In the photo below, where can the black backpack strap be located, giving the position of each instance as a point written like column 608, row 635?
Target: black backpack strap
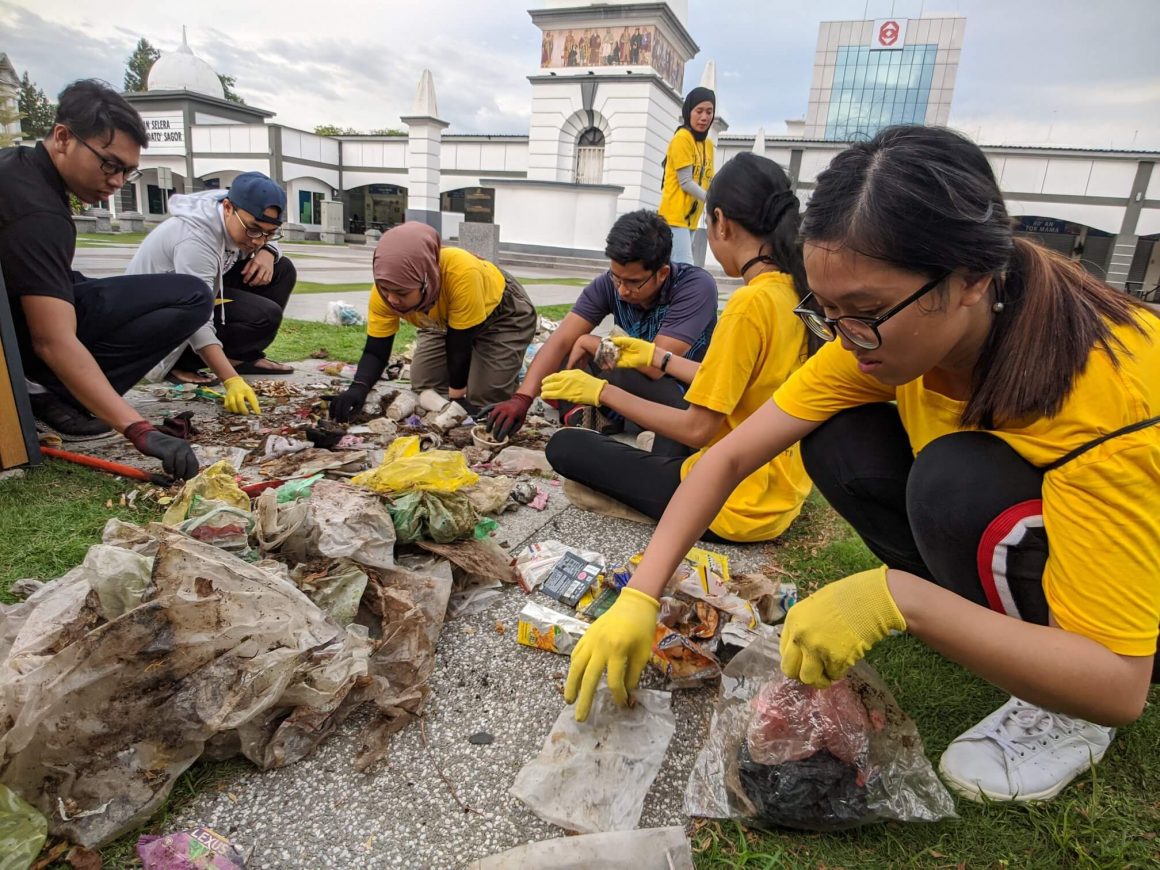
column 1084, row 448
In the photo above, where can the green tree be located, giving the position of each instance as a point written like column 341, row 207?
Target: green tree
column 389, row 131
column 36, row 112
column 333, row 130
column 8, row 115
column 228, row 83
column 138, row 65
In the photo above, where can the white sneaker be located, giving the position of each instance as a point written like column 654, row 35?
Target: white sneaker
column 644, row 441
column 1022, row 753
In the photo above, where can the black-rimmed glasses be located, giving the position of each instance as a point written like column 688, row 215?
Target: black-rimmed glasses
column 257, row 233
column 629, row 284
column 861, row 331
column 109, row 166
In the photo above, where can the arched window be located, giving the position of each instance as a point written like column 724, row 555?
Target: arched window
column 590, row 157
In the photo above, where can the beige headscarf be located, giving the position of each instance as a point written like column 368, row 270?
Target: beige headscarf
column 406, row 258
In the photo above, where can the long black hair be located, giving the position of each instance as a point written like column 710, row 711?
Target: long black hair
column 925, row 199
column 755, row 192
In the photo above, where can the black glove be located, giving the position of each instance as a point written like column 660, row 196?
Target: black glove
column 505, row 418
column 348, row 403
column 176, row 455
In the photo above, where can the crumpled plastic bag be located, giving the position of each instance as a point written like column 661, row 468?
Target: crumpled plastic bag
column 593, row 776
column 223, row 526
column 442, row 517
column 522, row 460
column 337, row 521
column 340, row 313
column 404, row 468
column 490, row 495
column 336, row 586
column 217, row 483
column 644, row 849
column 199, row 849
column 783, row 754
column 23, row 831
column 101, row 723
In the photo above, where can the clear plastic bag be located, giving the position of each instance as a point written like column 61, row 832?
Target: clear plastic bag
column 783, row 754
column 593, row 776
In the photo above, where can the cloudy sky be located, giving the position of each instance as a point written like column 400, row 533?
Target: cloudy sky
column 1072, row 72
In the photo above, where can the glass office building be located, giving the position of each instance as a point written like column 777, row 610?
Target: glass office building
column 871, row 74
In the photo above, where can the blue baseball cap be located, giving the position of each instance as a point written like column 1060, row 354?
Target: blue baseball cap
column 255, row 192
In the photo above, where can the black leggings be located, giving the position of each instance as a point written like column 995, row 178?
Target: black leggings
column 643, row 481
column 965, row 513
column 252, row 316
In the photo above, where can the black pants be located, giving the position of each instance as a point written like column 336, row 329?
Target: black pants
column 251, row 317
column 664, row 391
column 643, row 481
column 129, row 323
column 965, row 513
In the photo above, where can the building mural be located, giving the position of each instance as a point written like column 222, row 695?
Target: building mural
column 634, row 45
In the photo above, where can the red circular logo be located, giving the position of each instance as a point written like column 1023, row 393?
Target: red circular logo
column 888, row 33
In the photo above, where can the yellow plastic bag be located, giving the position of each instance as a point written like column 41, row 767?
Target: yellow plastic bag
column 404, row 469
column 216, row 483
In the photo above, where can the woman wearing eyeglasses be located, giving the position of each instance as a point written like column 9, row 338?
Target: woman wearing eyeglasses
column 475, row 321
column 757, row 344
column 225, row 238
column 987, row 417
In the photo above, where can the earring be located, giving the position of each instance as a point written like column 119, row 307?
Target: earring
column 997, row 307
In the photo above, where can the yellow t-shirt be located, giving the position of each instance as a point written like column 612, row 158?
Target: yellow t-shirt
column 1101, row 511
column 680, row 209
column 470, row 289
column 757, row 344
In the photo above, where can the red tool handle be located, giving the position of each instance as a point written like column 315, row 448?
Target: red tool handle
column 107, row 466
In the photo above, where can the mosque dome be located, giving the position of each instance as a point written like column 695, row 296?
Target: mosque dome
column 182, row 70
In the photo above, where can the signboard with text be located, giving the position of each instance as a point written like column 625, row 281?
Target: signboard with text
column 166, row 132
column 888, row 34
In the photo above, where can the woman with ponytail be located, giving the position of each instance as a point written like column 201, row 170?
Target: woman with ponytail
column 688, row 169
column 758, row 342
column 986, row 415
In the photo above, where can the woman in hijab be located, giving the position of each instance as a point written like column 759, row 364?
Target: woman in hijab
column 688, row 169
column 475, row 321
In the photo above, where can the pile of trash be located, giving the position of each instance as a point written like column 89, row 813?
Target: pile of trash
column 250, row 622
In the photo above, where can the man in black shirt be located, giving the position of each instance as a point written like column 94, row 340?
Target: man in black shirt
column 84, row 342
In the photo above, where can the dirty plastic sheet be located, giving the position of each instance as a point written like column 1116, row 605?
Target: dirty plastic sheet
column 490, row 495
column 593, row 776
column 521, row 460
column 482, row 557
column 217, row 646
column 780, row 753
column 337, row 521
column 211, row 454
column 221, row 525
column 409, row 607
column 335, row 585
column 645, row 849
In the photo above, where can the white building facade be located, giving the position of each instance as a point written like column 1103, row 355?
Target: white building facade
column 605, row 100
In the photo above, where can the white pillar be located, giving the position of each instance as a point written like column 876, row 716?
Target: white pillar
column 424, row 145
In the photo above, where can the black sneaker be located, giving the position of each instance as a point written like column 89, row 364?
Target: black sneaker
column 53, row 414
column 589, row 417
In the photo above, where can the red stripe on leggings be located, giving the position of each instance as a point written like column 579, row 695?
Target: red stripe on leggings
column 998, row 529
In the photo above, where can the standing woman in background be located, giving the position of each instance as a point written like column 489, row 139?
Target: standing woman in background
column 688, row 169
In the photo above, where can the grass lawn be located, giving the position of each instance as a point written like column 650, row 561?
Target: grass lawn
column 1110, row 818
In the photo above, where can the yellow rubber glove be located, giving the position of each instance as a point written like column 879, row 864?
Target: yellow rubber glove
column 635, row 353
column 239, row 394
column 573, row 385
column 621, row 641
column 826, row 633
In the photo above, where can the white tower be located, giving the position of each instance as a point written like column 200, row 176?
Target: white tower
column 608, row 94
column 424, row 148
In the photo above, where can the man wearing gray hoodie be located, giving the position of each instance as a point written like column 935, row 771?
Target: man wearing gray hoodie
column 225, row 238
